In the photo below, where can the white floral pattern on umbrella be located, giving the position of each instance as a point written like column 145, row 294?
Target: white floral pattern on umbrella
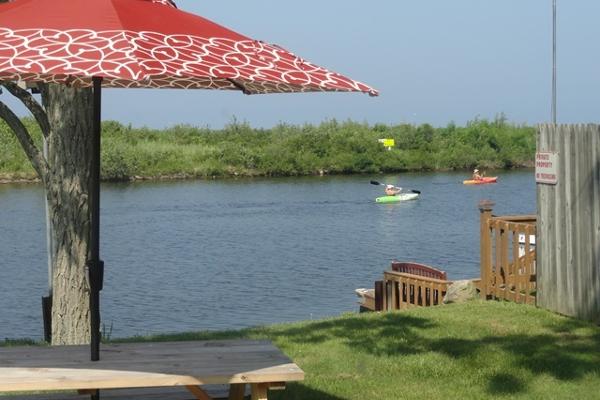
column 165, row 2
column 151, row 59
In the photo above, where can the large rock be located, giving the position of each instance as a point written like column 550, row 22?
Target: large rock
column 460, row 292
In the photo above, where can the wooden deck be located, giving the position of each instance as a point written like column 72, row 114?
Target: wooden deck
column 136, row 365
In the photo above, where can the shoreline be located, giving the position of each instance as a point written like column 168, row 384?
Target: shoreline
column 6, row 179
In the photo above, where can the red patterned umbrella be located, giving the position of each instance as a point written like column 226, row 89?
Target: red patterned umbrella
column 147, row 43
column 142, row 44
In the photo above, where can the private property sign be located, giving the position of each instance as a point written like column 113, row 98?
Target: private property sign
column 546, row 167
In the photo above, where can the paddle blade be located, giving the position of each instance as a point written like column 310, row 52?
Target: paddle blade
column 416, row 191
column 375, row 183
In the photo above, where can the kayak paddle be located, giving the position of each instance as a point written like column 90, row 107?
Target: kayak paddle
column 383, row 184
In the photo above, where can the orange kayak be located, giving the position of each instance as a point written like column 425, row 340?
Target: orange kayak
column 482, row 181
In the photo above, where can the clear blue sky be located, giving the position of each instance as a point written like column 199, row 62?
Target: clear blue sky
column 433, row 61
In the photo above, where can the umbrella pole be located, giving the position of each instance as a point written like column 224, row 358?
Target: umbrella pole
column 94, row 264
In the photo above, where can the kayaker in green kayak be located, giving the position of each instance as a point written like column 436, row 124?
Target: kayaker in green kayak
column 394, row 194
column 391, row 190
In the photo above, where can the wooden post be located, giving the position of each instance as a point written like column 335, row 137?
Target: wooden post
column 47, row 317
column 259, row 391
column 379, row 295
column 485, row 245
column 387, row 293
column 237, row 391
column 394, row 297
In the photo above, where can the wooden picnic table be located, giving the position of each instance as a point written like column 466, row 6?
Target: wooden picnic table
column 153, row 364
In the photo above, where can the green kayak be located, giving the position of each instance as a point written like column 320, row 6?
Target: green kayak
column 397, row 198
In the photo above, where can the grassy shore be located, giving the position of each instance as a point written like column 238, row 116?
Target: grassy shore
column 285, row 150
column 479, row 350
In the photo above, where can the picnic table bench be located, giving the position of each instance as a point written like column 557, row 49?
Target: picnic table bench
column 163, row 366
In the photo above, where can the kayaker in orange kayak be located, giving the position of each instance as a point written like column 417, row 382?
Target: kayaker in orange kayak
column 476, row 175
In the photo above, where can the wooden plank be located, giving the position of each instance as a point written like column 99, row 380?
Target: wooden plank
column 236, row 391
column 485, row 246
column 401, row 289
column 595, row 218
column 497, row 269
column 57, row 396
column 431, row 297
column 276, row 385
column 259, row 391
column 558, row 202
column 582, row 235
column 541, row 198
column 588, row 233
column 154, row 393
column 505, row 264
column 517, row 218
column 392, row 274
column 566, row 208
column 523, row 273
column 412, row 298
column 144, row 364
column 198, row 393
column 418, row 269
column 546, row 273
column 387, row 287
column 394, row 299
column 528, row 257
column 516, row 259
column 130, row 353
column 378, row 303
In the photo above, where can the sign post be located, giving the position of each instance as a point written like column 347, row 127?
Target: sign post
column 389, row 143
column 546, row 167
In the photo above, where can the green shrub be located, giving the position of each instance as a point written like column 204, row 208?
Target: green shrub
column 332, row 146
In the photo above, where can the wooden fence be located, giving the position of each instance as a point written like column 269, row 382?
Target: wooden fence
column 508, row 256
column 569, row 222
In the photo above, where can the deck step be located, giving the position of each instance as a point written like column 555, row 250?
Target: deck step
column 160, row 393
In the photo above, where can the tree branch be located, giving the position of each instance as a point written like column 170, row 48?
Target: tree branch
column 30, row 102
column 35, row 156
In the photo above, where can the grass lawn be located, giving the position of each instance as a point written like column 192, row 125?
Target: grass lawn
column 479, row 350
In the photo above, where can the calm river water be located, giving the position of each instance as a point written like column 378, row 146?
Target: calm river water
column 205, row 255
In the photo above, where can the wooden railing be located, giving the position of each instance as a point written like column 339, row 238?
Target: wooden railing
column 507, row 256
column 410, row 285
column 414, row 268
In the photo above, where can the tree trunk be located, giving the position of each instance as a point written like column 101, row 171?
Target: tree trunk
column 69, row 112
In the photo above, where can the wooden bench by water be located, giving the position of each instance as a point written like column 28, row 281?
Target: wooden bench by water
column 406, row 284
column 410, row 284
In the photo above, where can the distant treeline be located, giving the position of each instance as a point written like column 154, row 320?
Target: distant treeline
column 329, row 148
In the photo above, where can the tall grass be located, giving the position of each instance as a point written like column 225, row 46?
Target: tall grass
column 331, row 147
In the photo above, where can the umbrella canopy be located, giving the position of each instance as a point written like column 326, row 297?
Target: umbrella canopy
column 147, row 43
column 142, row 44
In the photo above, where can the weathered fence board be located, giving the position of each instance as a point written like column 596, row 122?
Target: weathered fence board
column 568, row 256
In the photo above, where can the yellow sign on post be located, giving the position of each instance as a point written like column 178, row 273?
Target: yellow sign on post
column 389, row 143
